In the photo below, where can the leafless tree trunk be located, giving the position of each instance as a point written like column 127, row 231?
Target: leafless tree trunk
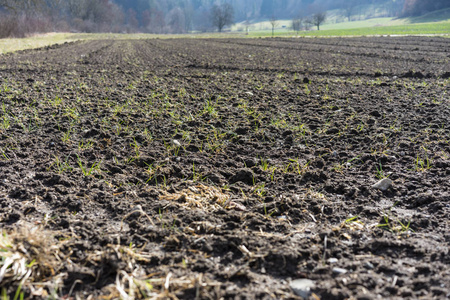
column 274, row 22
column 22, row 5
column 297, row 24
column 222, row 15
column 246, row 25
column 318, row 19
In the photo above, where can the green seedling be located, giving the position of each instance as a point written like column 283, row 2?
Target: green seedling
column 393, row 224
column 84, row 145
column 307, row 90
column 260, row 190
column 264, row 164
column 295, row 166
column 422, row 164
column 380, row 173
column 66, row 135
column 56, row 101
column 4, row 154
column 210, row 109
column 351, row 220
column 61, row 166
column 136, row 147
column 268, row 214
column 86, row 170
column 300, row 129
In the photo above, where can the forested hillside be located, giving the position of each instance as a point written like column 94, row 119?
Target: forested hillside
column 20, row 17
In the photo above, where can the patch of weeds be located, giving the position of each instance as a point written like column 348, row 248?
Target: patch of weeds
column 66, row 136
column 380, row 173
column 260, row 190
column 5, row 119
column 393, row 224
column 3, row 154
column 210, row 109
column 196, row 176
column 338, row 167
column 352, row 223
column 56, row 101
column 264, row 164
column 148, row 135
column 422, row 164
column 278, row 123
column 61, row 166
column 306, row 89
column 152, row 171
column 215, row 141
column 86, row 170
column 72, row 113
column 360, row 126
column 301, row 130
column 136, row 148
column 295, row 166
column 84, row 145
column 268, row 213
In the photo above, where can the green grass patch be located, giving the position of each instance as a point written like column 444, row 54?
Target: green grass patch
column 442, row 28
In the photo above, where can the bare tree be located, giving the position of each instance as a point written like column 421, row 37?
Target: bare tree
column 247, row 26
column 77, row 8
column 307, row 24
column 222, row 15
column 297, row 24
column 132, row 21
column 22, row 5
column 176, row 20
column 318, row 19
column 274, row 22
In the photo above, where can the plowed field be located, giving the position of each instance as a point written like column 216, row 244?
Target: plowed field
column 226, row 169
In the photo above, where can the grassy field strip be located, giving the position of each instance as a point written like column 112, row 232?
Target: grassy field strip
column 439, row 28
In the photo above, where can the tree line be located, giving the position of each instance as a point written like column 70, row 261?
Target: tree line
column 22, row 17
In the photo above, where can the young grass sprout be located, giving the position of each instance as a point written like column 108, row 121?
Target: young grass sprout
column 380, row 173
column 422, row 164
column 86, row 170
column 393, row 224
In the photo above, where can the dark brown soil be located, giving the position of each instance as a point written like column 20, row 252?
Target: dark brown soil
column 280, row 142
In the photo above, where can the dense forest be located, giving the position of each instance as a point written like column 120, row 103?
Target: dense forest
column 21, row 17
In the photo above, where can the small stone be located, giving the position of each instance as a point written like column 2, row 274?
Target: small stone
column 369, row 266
column 339, row 270
column 176, row 143
column 302, row 287
column 383, row 185
column 332, row 260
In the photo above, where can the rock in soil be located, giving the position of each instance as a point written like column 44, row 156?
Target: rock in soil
column 302, row 287
column 383, row 185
